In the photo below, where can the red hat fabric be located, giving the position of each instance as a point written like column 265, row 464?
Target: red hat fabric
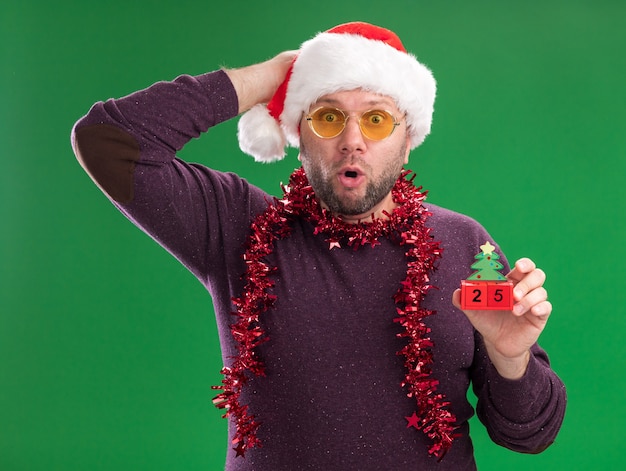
column 347, row 57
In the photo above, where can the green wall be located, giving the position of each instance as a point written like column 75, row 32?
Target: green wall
column 108, row 346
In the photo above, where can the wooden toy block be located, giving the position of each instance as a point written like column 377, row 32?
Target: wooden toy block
column 486, row 295
column 487, row 288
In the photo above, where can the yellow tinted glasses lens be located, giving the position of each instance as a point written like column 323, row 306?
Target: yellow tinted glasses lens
column 377, row 124
column 327, row 122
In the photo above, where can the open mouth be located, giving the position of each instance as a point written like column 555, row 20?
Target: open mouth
column 351, row 174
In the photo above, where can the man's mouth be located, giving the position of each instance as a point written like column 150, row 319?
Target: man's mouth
column 351, row 178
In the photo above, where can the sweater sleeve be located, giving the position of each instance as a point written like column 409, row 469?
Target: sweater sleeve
column 149, row 126
column 523, row 415
column 128, row 147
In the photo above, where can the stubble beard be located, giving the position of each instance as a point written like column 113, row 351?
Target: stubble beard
column 321, row 180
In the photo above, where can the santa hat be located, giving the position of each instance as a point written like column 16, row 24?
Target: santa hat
column 346, row 57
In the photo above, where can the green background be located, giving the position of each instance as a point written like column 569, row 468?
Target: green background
column 108, row 346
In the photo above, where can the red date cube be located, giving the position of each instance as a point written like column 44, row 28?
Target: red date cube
column 486, row 295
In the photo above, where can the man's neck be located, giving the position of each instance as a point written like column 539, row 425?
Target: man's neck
column 380, row 211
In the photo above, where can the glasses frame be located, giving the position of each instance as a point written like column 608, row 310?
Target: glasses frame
column 346, row 116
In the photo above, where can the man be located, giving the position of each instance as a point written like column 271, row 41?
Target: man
column 339, row 352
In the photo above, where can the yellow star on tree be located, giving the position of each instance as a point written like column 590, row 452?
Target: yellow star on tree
column 487, row 248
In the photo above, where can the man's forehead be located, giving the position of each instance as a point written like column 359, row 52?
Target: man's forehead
column 356, row 98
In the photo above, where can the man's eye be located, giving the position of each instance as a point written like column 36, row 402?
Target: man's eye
column 376, row 118
column 330, row 117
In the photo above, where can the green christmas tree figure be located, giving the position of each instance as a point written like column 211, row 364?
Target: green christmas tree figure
column 487, row 266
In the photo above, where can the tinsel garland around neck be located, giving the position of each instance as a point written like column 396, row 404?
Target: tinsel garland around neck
column 404, row 225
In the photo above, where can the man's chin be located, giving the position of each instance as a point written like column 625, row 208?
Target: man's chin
column 357, row 209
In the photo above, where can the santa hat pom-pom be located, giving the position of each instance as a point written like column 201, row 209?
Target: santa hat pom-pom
column 260, row 135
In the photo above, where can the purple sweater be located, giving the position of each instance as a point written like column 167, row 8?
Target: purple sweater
column 332, row 397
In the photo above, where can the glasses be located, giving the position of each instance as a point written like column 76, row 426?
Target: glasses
column 327, row 122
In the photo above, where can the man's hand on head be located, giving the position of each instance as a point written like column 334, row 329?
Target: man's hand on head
column 257, row 83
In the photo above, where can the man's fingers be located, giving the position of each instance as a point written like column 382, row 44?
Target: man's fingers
column 531, row 281
column 528, row 302
column 522, row 267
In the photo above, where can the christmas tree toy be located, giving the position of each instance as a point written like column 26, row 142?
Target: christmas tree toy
column 487, row 288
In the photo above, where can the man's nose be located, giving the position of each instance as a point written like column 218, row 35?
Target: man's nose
column 352, row 139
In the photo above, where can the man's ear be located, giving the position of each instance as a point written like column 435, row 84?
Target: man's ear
column 299, row 134
column 408, row 149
